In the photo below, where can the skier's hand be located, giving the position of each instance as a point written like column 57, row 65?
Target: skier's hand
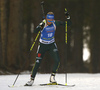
column 42, row 25
column 67, row 15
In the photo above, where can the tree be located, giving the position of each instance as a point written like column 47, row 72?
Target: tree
column 0, row 39
column 4, row 26
column 95, row 35
column 15, row 34
column 78, row 36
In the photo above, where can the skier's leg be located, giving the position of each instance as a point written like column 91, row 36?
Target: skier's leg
column 55, row 55
column 40, row 54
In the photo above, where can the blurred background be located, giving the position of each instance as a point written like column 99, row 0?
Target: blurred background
column 19, row 18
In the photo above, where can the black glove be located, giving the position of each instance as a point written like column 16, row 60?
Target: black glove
column 67, row 15
column 42, row 25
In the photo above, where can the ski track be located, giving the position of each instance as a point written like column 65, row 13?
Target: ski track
column 82, row 82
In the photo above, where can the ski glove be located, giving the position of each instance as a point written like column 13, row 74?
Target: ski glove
column 42, row 25
column 39, row 27
column 67, row 15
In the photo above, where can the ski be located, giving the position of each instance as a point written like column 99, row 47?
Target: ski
column 46, row 84
column 67, row 85
column 56, row 84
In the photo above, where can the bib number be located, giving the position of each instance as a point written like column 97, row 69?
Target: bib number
column 50, row 34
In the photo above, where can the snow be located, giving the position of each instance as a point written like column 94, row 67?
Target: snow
column 82, row 82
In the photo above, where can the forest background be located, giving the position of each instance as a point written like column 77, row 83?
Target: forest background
column 19, row 18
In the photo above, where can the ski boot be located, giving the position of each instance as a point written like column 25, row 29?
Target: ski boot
column 52, row 79
column 29, row 83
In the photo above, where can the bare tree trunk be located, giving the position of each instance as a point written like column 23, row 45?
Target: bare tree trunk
column 0, row 40
column 0, row 49
column 78, row 38
column 95, row 35
column 28, row 4
column 4, row 26
column 14, row 46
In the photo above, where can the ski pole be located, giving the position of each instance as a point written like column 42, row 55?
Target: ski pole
column 42, row 4
column 34, row 41
column 66, row 29
column 25, row 60
column 66, row 43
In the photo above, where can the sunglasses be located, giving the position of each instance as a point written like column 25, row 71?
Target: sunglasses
column 50, row 21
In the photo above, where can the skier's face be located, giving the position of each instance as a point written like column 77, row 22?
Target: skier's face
column 50, row 18
column 50, row 21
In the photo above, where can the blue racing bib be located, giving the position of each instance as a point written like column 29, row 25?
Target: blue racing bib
column 48, row 32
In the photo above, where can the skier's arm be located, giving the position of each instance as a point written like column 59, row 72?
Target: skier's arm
column 58, row 23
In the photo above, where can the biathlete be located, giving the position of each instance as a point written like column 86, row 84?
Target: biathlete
column 47, row 43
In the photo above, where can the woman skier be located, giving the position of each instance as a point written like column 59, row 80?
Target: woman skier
column 47, row 43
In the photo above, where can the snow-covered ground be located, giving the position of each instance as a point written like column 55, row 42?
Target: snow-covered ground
column 81, row 81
